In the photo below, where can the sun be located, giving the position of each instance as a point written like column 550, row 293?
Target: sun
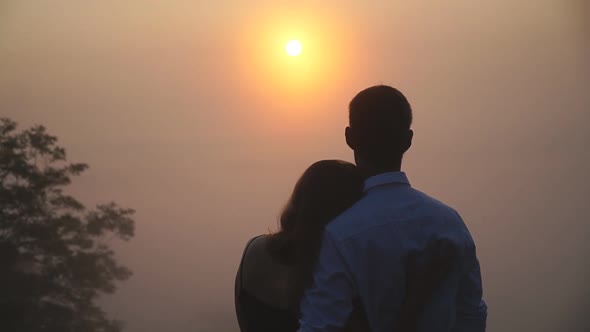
column 293, row 47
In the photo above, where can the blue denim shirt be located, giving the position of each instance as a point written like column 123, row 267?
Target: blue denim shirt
column 362, row 256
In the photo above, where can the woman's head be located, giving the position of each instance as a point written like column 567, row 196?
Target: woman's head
column 325, row 190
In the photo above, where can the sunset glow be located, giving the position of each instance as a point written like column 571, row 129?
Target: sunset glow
column 288, row 57
column 293, row 47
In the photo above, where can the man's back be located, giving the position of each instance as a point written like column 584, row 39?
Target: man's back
column 364, row 253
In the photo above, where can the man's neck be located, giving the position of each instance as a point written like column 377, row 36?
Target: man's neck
column 370, row 170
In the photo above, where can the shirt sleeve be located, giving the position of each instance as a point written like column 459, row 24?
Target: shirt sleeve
column 471, row 310
column 326, row 306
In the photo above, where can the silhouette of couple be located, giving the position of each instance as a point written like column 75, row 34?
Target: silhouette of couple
column 358, row 248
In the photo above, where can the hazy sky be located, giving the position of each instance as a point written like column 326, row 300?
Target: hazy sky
column 190, row 113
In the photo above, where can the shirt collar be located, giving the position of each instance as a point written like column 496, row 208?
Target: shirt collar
column 385, row 178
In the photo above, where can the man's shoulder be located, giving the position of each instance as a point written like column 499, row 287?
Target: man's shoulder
column 382, row 210
column 435, row 206
column 352, row 216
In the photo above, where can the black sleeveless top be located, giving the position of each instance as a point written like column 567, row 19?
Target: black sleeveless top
column 263, row 297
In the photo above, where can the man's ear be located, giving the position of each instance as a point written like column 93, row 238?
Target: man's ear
column 350, row 139
column 407, row 143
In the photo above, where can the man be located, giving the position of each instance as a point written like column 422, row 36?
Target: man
column 365, row 250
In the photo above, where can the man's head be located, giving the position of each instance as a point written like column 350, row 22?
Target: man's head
column 379, row 128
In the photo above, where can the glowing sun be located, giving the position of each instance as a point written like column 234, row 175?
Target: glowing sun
column 293, row 47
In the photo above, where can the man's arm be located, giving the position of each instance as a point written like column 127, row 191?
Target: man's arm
column 471, row 310
column 327, row 305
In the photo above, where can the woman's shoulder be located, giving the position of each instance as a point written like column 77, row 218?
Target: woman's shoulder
column 255, row 253
column 259, row 305
column 256, row 245
column 264, row 276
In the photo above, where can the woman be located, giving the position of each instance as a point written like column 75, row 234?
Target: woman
column 276, row 269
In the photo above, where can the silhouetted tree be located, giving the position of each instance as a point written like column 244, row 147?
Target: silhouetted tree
column 54, row 254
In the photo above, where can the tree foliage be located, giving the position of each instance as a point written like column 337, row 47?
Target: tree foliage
column 55, row 258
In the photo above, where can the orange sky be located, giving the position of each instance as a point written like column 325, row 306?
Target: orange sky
column 191, row 113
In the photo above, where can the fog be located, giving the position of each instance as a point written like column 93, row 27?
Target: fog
column 180, row 116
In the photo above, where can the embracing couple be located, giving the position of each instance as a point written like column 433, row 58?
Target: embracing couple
column 359, row 249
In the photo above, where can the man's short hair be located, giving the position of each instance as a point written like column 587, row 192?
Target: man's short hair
column 380, row 107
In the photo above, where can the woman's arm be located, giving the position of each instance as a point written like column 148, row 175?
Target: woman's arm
column 238, row 289
column 237, row 298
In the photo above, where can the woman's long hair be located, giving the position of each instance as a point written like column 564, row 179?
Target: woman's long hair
column 324, row 191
